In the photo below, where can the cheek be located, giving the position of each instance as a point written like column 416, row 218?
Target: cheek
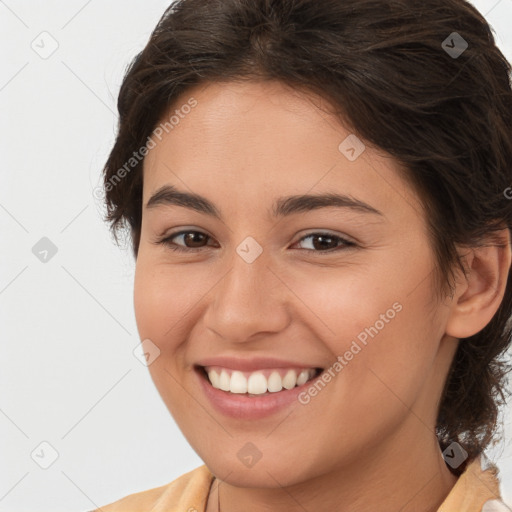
column 162, row 297
column 384, row 334
column 158, row 309
column 160, row 306
column 387, row 358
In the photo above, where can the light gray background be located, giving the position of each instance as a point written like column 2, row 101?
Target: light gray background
column 68, row 375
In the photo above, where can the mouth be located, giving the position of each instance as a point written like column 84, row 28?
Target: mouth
column 255, row 395
column 258, row 383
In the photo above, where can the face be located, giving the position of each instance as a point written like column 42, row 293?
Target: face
column 343, row 283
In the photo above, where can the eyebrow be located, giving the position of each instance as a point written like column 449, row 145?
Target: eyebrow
column 168, row 195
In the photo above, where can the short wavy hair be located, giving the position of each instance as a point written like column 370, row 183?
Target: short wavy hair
column 398, row 73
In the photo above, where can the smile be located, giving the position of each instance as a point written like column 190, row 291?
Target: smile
column 260, row 382
column 258, row 400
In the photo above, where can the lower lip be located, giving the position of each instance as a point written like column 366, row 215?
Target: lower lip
column 241, row 406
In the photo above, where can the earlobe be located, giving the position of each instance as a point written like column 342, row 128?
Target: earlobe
column 478, row 296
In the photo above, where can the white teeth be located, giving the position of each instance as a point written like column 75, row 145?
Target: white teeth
column 290, row 379
column 224, row 380
column 214, row 379
column 238, row 383
column 275, row 383
column 303, row 377
column 257, row 383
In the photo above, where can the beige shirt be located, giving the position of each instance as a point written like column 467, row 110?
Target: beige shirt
column 476, row 490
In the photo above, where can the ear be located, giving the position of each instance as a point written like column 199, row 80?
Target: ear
column 478, row 296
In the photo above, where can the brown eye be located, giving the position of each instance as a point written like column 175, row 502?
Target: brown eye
column 194, row 238
column 323, row 242
column 191, row 240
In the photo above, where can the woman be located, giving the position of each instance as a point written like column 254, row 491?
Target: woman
column 316, row 192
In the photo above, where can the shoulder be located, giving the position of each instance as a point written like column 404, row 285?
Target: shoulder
column 478, row 485
column 187, row 492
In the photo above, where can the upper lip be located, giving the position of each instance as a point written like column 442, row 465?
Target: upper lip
column 252, row 364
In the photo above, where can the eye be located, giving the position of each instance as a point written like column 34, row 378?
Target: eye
column 195, row 240
column 326, row 242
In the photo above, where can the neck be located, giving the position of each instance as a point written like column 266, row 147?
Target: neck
column 415, row 479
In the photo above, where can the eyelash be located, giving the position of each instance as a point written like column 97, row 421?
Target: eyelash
column 174, row 247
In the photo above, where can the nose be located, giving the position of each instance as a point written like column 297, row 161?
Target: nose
column 250, row 300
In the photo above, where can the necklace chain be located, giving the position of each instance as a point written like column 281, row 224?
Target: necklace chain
column 218, row 498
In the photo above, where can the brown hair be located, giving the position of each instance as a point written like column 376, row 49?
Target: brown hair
column 396, row 75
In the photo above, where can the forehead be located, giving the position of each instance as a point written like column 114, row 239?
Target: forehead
column 257, row 139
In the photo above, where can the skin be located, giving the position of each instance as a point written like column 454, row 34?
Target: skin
column 366, row 442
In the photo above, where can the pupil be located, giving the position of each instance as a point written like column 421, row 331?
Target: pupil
column 192, row 237
column 322, row 238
